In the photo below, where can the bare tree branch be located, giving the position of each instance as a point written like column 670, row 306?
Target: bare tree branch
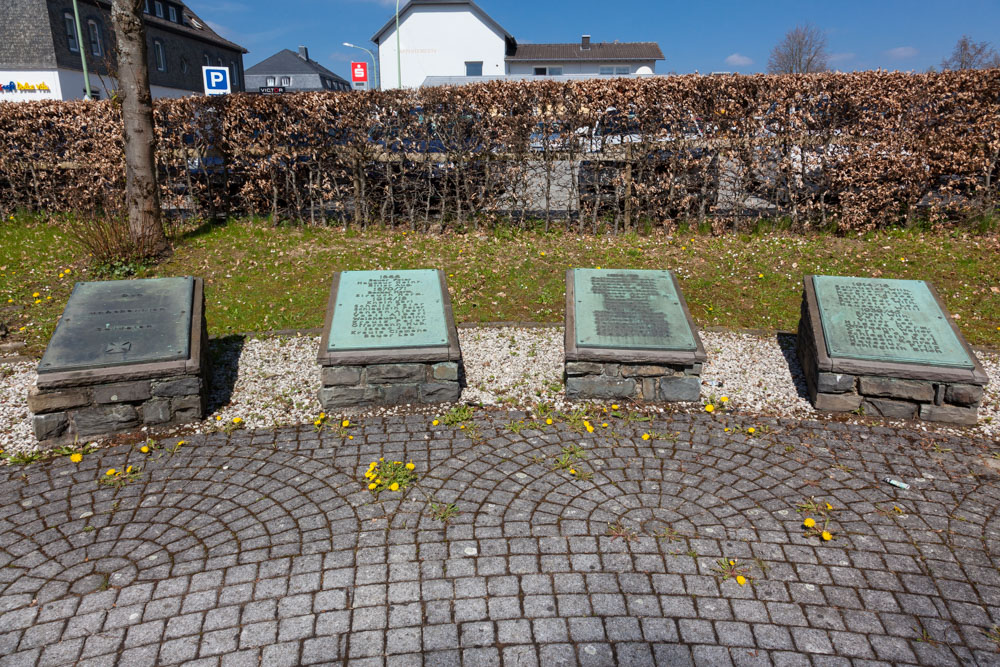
column 971, row 55
column 802, row 51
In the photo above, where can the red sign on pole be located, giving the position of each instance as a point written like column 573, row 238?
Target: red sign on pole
column 359, row 72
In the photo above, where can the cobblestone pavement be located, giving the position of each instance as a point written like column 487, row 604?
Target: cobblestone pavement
column 265, row 548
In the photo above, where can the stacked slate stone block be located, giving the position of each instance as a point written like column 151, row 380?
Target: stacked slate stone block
column 389, row 339
column 97, row 391
column 638, row 381
column 629, row 335
column 390, row 384
column 887, row 388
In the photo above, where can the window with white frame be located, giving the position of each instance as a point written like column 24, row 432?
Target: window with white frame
column 270, row 80
column 474, row 68
column 555, row 71
column 71, row 33
column 286, row 81
column 173, row 13
column 159, row 55
column 605, row 71
column 94, row 31
column 236, row 74
column 622, row 70
column 145, row 6
column 158, row 6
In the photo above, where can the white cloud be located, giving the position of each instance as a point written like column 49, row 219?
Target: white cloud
column 841, row 57
column 738, row 60
column 901, row 52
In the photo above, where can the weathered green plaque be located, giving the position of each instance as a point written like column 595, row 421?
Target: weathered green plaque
column 886, row 320
column 120, row 323
column 630, row 310
column 388, row 309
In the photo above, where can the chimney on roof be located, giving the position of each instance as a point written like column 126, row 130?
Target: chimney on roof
column 585, row 43
column 303, row 53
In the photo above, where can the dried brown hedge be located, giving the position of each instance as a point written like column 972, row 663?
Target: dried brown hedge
column 851, row 151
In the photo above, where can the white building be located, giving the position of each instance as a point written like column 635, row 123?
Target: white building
column 455, row 40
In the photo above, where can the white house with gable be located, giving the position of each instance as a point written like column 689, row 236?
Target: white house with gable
column 455, row 41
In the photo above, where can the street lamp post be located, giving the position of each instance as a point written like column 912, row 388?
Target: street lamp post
column 374, row 64
column 399, row 59
column 83, row 51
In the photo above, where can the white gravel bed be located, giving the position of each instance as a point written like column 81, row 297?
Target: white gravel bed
column 273, row 381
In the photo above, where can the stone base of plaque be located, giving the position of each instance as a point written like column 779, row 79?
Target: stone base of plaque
column 638, row 382
column 88, row 404
column 389, row 384
column 413, row 355
column 889, row 390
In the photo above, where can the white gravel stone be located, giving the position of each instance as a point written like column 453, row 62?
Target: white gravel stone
column 274, row 381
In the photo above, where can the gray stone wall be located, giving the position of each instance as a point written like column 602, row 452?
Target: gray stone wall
column 883, row 395
column 90, row 411
column 390, row 384
column 25, row 35
column 640, row 382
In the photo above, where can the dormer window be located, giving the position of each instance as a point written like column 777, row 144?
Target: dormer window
column 173, row 13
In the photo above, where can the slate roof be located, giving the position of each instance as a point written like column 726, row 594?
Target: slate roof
column 289, row 62
column 187, row 26
column 605, row 51
column 476, row 8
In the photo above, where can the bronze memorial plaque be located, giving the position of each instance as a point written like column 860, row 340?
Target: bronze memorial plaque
column 388, row 310
column 630, row 309
column 122, row 323
column 886, row 320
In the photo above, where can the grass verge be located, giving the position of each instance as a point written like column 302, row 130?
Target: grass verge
column 260, row 277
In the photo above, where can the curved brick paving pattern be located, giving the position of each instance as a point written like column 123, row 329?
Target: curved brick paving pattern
column 264, row 548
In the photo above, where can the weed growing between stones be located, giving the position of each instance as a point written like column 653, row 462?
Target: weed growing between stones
column 385, row 475
column 458, row 414
column 120, row 478
column 618, row 530
column 443, row 512
column 568, row 457
column 75, row 453
column 993, row 634
column 732, row 569
column 812, row 528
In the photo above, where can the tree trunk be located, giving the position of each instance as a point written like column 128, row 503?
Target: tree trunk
column 142, row 194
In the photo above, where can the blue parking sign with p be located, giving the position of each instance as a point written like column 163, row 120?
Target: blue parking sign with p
column 216, row 80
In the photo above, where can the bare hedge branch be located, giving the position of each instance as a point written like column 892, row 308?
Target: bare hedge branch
column 851, row 152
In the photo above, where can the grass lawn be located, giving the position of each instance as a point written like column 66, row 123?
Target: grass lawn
column 263, row 278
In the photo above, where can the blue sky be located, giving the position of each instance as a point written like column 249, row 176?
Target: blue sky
column 719, row 35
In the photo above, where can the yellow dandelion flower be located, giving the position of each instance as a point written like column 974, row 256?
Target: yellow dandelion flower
column 741, row 580
column 48, row 298
column 614, row 406
column 760, row 275
column 435, row 423
column 345, row 423
column 410, row 466
column 684, row 247
column 751, row 430
column 549, row 421
column 144, row 449
column 181, row 442
column 381, row 459
column 572, row 471
column 809, row 522
column 371, row 487
column 462, row 426
column 67, row 272
column 35, row 295
column 394, row 486
column 110, row 472
column 317, row 422
column 218, row 418
column 829, row 506
column 37, row 301
column 350, row 437
column 322, row 415
column 543, row 253
column 724, row 399
column 128, row 470
column 645, row 436
column 827, row 536
column 76, row 457
column 237, row 420
column 709, row 408
column 604, row 425
column 732, row 562
column 598, row 268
